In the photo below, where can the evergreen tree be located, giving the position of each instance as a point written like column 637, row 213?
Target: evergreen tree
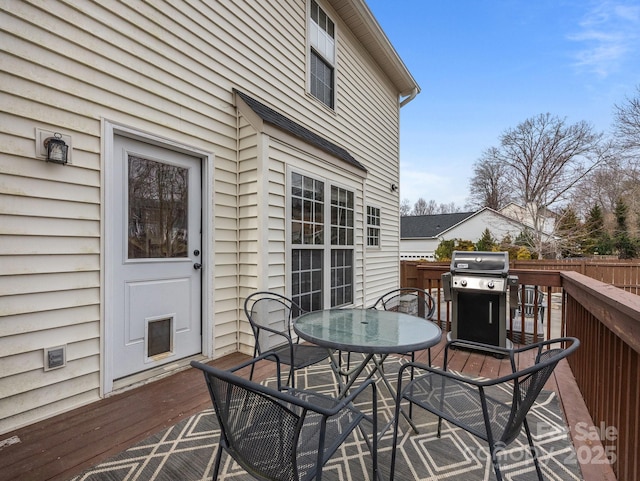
column 594, row 232
column 486, row 242
column 623, row 242
column 571, row 233
column 444, row 251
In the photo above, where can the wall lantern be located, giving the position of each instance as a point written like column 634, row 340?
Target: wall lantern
column 394, row 188
column 56, row 149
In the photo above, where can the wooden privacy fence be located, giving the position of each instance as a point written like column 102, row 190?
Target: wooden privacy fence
column 622, row 274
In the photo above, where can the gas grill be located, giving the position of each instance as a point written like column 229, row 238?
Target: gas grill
column 477, row 286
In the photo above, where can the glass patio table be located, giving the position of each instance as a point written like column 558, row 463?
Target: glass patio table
column 374, row 333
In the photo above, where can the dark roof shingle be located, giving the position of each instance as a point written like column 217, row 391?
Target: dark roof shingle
column 429, row 225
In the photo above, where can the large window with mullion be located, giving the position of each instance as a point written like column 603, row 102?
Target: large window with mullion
column 322, row 234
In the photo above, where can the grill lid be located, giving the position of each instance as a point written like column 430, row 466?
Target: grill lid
column 480, row 263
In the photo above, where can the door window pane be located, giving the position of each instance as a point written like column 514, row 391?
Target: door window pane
column 158, row 209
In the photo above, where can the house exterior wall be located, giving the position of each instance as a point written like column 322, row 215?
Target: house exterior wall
column 168, row 69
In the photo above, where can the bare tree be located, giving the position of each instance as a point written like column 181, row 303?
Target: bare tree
column 449, row 208
column 627, row 122
column 405, row 207
column 422, row 207
column 546, row 158
column 490, row 185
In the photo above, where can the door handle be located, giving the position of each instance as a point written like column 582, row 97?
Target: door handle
column 197, row 266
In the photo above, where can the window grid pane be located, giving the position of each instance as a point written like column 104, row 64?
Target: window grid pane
column 342, row 216
column 307, row 207
column 341, row 277
column 307, row 279
column 321, row 80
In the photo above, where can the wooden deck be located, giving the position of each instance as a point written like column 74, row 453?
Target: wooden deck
column 65, row 445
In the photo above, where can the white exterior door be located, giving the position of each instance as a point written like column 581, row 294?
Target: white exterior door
column 156, row 256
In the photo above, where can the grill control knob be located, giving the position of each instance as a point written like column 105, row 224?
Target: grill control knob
column 463, row 283
column 491, row 285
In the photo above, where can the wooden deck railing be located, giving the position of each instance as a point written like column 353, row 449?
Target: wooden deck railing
column 607, row 365
column 606, row 319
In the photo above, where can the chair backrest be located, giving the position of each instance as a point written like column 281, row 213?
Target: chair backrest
column 417, row 302
column 270, row 310
column 533, row 301
column 258, row 428
column 529, row 382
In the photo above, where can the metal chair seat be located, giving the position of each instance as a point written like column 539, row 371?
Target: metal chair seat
column 282, row 434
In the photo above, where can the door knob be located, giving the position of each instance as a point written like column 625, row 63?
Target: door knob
column 197, row 266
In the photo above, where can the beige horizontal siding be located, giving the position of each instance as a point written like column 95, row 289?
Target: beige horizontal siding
column 166, row 68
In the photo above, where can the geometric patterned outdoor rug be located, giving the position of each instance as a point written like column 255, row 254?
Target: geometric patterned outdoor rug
column 186, row 451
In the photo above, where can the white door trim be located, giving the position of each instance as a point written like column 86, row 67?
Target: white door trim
column 110, row 129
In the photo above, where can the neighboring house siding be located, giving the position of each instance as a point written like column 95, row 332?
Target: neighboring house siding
column 473, row 228
column 167, row 69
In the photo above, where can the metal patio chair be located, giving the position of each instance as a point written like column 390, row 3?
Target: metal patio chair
column 271, row 316
column 533, row 304
column 283, row 434
column 409, row 300
column 472, row 404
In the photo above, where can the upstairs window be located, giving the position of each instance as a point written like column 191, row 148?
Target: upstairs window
column 322, row 55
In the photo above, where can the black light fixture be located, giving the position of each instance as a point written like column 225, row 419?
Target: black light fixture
column 394, row 187
column 56, row 149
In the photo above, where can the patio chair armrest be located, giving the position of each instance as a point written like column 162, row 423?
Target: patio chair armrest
column 355, row 393
column 438, row 372
column 238, row 367
column 464, row 343
column 277, row 332
column 341, row 403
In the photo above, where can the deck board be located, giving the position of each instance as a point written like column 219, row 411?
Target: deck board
column 63, row 446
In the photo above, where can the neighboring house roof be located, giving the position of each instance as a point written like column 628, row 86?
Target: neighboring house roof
column 358, row 17
column 424, row 226
column 270, row 116
column 433, row 226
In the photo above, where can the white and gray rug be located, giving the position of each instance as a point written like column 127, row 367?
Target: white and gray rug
column 186, row 451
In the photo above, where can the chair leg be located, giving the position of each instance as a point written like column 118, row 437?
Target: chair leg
column 255, row 354
column 216, row 468
column 413, row 358
column 291, row 380
column 534, row 454
column 394, row 446
column 494, row 460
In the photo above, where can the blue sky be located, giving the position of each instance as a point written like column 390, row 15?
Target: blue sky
column 484, row 66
